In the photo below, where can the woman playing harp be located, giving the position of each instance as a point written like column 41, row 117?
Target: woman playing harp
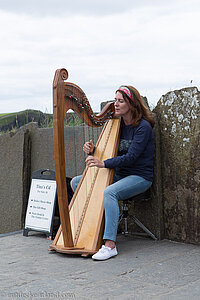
column 133, row 164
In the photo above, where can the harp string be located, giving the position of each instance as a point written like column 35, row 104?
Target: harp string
column 81, row 153
column 88, row 133
column 77, row 122
column 93, row 175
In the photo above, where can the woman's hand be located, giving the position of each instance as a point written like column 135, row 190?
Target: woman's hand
column 88, row 147
column 94, row 162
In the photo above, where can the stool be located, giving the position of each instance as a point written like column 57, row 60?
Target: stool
column 124, row 215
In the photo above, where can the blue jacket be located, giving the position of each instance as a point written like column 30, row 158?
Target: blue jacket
column 135, row 152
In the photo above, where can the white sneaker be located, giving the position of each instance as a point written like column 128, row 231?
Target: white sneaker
column 105, row 253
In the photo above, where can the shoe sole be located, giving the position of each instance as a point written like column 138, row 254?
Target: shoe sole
column 104, row 258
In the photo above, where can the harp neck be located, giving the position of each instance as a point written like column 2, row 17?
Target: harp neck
column 67, row 96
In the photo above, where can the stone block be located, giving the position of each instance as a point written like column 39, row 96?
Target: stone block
column 14, row 178
column 179, row 123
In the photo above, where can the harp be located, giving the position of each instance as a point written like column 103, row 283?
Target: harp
column 82, row 222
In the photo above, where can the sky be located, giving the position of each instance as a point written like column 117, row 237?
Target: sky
column 153, row 45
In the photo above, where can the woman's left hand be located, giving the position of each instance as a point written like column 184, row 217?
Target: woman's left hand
column 94, row 162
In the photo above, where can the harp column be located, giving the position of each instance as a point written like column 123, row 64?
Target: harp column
column 59, row 150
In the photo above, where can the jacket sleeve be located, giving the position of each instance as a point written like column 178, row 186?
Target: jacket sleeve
column 139, row 142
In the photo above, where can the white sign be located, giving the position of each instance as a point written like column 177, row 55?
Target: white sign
column 40, row 205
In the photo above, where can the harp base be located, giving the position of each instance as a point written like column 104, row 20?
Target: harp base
column 72, row 250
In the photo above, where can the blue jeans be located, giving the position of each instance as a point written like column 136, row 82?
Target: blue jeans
column 75, row 181
column 122, row 188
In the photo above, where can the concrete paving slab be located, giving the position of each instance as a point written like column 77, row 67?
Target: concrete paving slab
column 143, row 269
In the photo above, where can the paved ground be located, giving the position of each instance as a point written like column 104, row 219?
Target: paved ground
column 144, row 269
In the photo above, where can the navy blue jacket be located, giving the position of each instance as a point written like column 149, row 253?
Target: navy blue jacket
column 135, row 152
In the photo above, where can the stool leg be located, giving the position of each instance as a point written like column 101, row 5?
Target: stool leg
column 125, row 226
column 120, row 218
column 143, row 227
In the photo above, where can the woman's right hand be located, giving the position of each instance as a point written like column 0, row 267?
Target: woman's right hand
column 88, row 147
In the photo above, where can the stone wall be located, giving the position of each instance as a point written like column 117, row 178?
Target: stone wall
column 179, row 124
column 28, row 150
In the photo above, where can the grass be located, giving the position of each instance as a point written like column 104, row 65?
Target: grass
column 7, row 114
column 12, row 121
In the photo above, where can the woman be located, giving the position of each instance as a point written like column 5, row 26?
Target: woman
column 133, row 164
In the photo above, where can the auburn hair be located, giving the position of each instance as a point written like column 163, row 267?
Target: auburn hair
column 138, row 107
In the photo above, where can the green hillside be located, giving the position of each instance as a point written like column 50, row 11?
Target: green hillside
column 13, row 121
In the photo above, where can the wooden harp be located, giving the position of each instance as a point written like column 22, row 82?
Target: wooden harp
column 82, row 222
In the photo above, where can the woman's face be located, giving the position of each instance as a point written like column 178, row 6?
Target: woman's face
column 122, row 107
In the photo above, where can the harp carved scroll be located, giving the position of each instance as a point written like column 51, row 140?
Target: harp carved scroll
column 82, row 221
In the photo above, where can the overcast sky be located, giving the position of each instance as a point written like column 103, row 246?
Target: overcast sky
column 153, row 45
